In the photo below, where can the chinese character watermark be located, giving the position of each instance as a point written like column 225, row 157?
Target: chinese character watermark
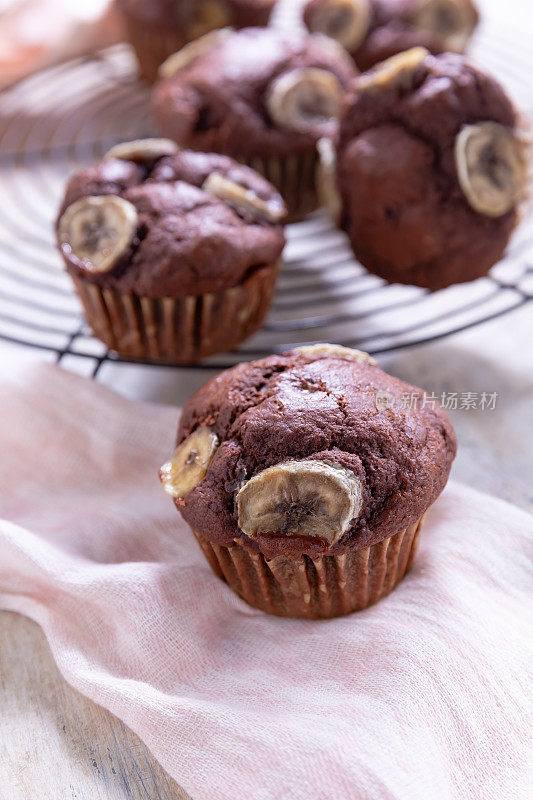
column 451, row 401
column 384, row 400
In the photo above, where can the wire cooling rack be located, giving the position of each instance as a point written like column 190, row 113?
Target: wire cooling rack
column 67, row 117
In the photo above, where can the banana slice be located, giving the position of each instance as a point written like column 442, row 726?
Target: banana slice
column 326, row 182
column 304, row 98
column 453, row 21
column 397, row 70
column 491, row 166
column 192, row 51
column 141, row 150
column 98, row 230
column 300, row 498
column 346, row 21
column 239, row 196
column 335, row 351
column 189, row 463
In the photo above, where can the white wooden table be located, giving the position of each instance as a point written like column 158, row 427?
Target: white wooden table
column 56, row 744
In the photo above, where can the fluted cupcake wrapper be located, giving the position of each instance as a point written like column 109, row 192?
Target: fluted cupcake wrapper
column 152, row 45
column 315, row 588
column 183, row 329
column 294, row 176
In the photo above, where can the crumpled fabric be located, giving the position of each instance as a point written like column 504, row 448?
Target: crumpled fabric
column 35, row 34
column 425, row 696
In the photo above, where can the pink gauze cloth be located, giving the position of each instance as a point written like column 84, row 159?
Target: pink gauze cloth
column 35, row 34
column 422, row 697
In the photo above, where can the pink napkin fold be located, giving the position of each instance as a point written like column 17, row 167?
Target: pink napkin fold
column 422, row 697
column 35, row 34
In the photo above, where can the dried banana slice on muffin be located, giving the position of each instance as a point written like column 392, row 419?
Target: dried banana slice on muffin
column 243, row 197
column 300, row 99
column 189, row 463
column 143, row 150
column 300, row 498
column 334, row 351
column 451, row 21
column 397, row 71
column 491, row 166
column 346, row 21
column 98, row 231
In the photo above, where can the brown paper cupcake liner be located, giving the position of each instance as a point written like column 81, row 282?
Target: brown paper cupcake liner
column 294, row 176
column 315, row 588
column 183, row 329
column 152, row 45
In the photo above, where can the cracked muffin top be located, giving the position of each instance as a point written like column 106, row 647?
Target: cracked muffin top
column 431, row 168
column 255, row 91
column 160, row 222
column 198, row 17
column 373, row 30
column 312, row 451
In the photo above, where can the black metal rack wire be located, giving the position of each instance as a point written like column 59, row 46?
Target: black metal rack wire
column 69, row 116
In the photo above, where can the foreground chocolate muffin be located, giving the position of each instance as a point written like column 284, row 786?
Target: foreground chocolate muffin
column 174, row 254
column 374, row 30
column 431, row 169
column 158, row 28
column 262, row 96
column 305, row 478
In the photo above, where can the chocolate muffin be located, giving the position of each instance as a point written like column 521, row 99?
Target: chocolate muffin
column 262, row 96
column 374, row 30
column 306, row 476
column 174, row 254
column 431, row 169
column 158, row 28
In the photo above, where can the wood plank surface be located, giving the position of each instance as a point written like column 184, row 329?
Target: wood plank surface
column 56, row 744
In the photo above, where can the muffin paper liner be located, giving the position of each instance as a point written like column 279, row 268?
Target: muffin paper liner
column 315, row 588
column 183, row 329
column 294, row 176
column 152, row 45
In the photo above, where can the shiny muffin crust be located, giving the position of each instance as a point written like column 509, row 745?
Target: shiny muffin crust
column 392, row 26
column 188, row 242
column 184, row 15
column 322, row 408
column 218, row 102
column 404, row 210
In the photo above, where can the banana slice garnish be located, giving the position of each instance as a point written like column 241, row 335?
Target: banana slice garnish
column 452, row 21
column 141, row 150
column 346, row 21
column 300, row 498
column 188, row 466
column 335, row 351
column 304, row 98
column 241, row 197
column 326, row 182
column 192, row 51
column 397, row 70
column 98, row 231
column 492, row 167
